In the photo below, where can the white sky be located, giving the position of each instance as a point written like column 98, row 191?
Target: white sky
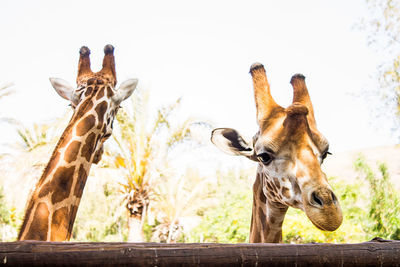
column 200, row 50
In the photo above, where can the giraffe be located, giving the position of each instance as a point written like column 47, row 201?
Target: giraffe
column 289, row 150
column 53, row 204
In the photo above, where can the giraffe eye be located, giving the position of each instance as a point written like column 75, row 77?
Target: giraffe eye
column 265, row 158
column 325, row 154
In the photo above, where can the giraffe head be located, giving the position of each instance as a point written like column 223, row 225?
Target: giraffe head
column 95, row 94
column 289, row 150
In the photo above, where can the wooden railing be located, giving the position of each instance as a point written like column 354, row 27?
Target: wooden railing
column 377, row 252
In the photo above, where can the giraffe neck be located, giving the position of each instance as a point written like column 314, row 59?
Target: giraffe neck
column 267, row 216
column 51, row 211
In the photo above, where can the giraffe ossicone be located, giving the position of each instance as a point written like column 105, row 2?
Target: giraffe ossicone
column 53, row 204
column 289, row 150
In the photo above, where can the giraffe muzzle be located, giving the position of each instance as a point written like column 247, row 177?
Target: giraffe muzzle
column 323, row 209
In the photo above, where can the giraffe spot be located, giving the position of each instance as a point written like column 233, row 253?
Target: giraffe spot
column 40, row 224
column 274, row 187
column 285, row 192
column 28, row 212
column 263, row 219
column 85, row 125
column 277, row 183
column 101, row 110
column 88, row 91
column 64, row 139
column 89, row 105
column 261, row 197
column 257, row 182
column 81, row 181
column 88, row 147
column 45, row 190
column 100, row 94
column 109, row 92
column 91, row 81
column 59, row 224
column 50, row 167
column 269, row 186
column 297, row 190
column 72, row 151
column 272, row 220
column 61, row 183
column 73, row 211
column 100, row 81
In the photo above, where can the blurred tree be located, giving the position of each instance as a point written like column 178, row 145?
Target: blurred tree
column 384, row 202
column 228, row 219
column 382, row 27
column 39, row 134
column 179, row 197
column 8, row 229
column 27, row 159
column 143, row 145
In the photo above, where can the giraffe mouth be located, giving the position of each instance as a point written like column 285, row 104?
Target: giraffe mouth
column 325, row 219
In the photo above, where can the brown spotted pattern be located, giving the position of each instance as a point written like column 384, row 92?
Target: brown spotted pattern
column 289, row 149
column 267, row 216
column 57, row 195
column 71, row 153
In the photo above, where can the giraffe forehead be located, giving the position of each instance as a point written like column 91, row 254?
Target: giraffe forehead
column 288, row 145
column 96, row 78
column 288, row 132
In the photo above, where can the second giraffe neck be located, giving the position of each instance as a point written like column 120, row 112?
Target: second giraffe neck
column 267, row 217
column 54, row 203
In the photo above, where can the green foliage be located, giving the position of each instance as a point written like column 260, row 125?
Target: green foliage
column 177, row 197
column 143, row 148
column 38, row 134
column 32, row 138
column 8, row 220
column 100, row 216
column 384, row 202
column 297, row 228
column 229, row 220
column 4, row 212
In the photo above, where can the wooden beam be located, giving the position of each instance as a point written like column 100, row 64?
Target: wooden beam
column 34, row 253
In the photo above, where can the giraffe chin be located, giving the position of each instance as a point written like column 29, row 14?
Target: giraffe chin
column 326, row 219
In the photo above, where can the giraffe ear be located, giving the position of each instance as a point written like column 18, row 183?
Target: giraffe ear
column 63, row 88
column 125, row 90
column 231, row 142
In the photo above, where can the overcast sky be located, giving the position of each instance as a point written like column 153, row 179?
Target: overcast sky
column 198, row 50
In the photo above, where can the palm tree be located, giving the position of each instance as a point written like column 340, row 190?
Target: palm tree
column 179, row 197
column 143, row 145
column 5, row 89
column 28, row 158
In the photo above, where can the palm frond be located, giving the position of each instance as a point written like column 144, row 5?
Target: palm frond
column 5, row 90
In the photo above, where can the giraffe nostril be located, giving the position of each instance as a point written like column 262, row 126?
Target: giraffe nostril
column 316, row 200
column 334, row 199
